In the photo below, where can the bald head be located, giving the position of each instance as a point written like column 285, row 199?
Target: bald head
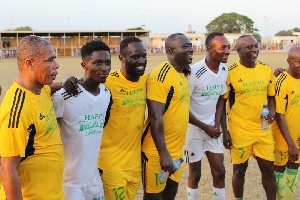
column 241, row 40
column 171, row 42
column 30, row 47
column 294, row 52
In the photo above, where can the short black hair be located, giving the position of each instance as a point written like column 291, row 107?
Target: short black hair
column 169, row 41
column 211, row 36
column 238, row 40
column 94, row 45
column 124, row 43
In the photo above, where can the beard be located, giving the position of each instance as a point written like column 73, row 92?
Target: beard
column 132, row 70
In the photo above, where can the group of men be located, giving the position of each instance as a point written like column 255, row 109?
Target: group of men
column 95, row 125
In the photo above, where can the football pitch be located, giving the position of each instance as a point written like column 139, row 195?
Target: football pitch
column 253, row 187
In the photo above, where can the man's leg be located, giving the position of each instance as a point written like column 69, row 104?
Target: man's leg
column 193, row 180
column 268, row 178
column 238, row 179
column 216, row 161
column 291, row 178
column 152, row 196
column 170, row 191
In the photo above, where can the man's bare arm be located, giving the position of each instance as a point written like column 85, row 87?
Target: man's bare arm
column 155, row 112
column 10, row 177
column 292, row 149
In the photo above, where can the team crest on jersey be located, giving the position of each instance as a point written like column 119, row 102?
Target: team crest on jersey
column 122, row 90
column 41, row 116
column 181, row 83
column 293, row 92
column 240, row 80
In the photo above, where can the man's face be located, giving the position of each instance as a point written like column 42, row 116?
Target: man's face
column 183, row 50
column 98, row 66
column 219, row 49
column 45, row 66
column 135, row 59
column 294, row 63
column 248, row 50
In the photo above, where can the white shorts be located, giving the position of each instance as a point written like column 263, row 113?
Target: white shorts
column 195, row 148
column 92, row 192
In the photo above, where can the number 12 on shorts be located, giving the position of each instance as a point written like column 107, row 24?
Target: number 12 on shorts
column 119, row 193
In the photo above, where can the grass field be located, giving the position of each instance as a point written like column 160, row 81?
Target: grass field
column 253, row 188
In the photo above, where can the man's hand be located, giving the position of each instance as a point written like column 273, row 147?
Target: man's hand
column 227, row 140
column 212, row 131
column 270, row 118
column 279, row 71
column 69, row 83
column 293, row 153
column 166, row 163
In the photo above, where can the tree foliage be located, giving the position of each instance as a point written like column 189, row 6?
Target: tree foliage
column 22, row 28
column 137, row 28
column 231, row 23
column 288, row 32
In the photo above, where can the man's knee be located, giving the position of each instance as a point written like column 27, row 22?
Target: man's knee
column 170, row 190
column 240, row 169
column 152, row 196
column 218, row 174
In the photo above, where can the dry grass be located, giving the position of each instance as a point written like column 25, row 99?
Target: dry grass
column 253, row 187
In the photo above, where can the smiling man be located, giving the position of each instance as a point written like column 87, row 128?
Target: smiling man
column 168, row 100
column 120, row 154
column 250, row 85
column 207, row 86
column 32, row 158
column 81, row 120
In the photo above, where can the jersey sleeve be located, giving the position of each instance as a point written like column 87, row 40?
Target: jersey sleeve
column 271, row 85
column 192, row 79
column 58, row 103
column 157, row 90
column 281, row 96
column 228, row 88
column 15, row 127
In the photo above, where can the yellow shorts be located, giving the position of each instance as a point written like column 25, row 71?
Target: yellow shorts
column 282, row 157
column 151, row 168
column 41, row 177
column 256, row 146
column 2, row 193
column 121, row 184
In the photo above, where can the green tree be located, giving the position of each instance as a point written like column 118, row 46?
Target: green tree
column 137, row 28
column 231, row 23
column 288, row 32
column 22, row 28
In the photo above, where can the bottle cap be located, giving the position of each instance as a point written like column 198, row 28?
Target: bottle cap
column 265, row 106
column 181, row 160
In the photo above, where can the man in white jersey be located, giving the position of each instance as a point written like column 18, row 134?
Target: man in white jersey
column 207, row 86
column 81, row 121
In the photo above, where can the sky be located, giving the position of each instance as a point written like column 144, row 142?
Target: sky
column 159, row 16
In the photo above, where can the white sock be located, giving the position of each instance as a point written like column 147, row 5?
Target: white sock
column 192, row 194
column 219, row 193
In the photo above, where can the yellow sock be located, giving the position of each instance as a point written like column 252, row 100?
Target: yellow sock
column 291, row 179
column 238, row 198
column 280, row 185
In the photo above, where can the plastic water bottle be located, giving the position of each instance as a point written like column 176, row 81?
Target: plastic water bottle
column 264, row 114
column 164, row 175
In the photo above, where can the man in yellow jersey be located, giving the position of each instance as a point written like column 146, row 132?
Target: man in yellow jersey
column 168, row 100
column 2, row 193
column 250, row 85
column 287, row 129
column 32, row 157
column 120, row 153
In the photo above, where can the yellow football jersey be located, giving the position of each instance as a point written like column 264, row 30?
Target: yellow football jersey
column 121, row 140
column 28, row 129
column 2, row 193
column 287, row 103
column 248, row 89
column 167, row 86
